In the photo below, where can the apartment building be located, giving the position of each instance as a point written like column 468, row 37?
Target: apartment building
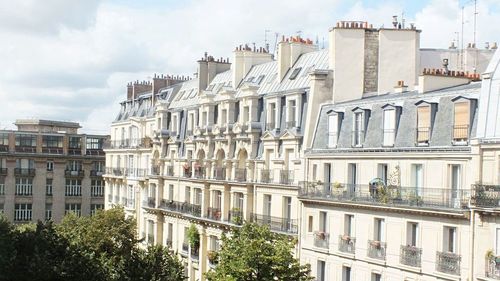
column 241, row 140
column 48, row 169
column 404, row 184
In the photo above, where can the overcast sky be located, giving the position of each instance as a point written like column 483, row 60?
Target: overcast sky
column 71, row 59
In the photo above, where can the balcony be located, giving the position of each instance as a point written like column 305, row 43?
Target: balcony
column 73, row 173
column 4, row 147
column 279, row 224
column 220, row 173
column 291, row 124
column 240, row 175
column 486, row 196
column 448, row 263
column 199, row 172
column 96, row 173
column 423, row 136
column 411, row 256
column 321, row 239
column 376, row 249
column 347, row 244
column 460, row 134
column 130, row 143
column 185, row 247
column 214, row 213
column 493, row 267
column 169, row 170
column 74, row 151
column 155, row 170
column 235, row 216
column 286, row 177
column 266, row 176
column 415, row 197
column 151, row 202
column 136, row 173
column 3, row 171
column 26, row 149
column 181, row 207
column 187, row 172
column 23, row 172
column 195, row 253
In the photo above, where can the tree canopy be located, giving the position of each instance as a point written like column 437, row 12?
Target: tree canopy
column 253, row 252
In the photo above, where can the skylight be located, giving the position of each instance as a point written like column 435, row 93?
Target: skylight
column 295, row 73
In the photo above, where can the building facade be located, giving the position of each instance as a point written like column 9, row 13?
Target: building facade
column 248, row 141
column 48, row 169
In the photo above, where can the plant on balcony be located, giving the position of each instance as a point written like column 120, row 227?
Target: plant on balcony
column 212, row 257
column 346, row 238
column 321, row 235
column 236, row 217
column 375, row 244
column 415, row 200
column 193, row 236
column 337, row 185
column 490, row 255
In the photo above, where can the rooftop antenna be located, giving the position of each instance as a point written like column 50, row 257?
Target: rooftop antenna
column 462, row 44
column 475, row 49
column 266, row 43
column 402, row 19
column 276, row 34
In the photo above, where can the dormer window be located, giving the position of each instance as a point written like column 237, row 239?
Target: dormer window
column 271, row 116
column 391, row 118
column 334, row 119
column 295, row 73
column 425, row 118
column 246, row 114
column 224, row 117
column 462, row 112
column 292, row 113
column 360, row 122
column 259, row 79
column 250, row 79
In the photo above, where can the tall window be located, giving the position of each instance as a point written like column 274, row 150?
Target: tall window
column 73, row 208
column 24, row 186
column 198, row 197
column 187, row 194
column 246, row 114
column 358, row 130
column 320, row 276
column 287, row 207
column 346, row 273
column 75, row 142
column 423, row 124
column 95, row 143
column 25, row 140
column 267, row 205
column 382, row 172
column 389, row 127
column 322, row 221
column 412, row 234
column 449, row 239
column 271, row 116
column 461, row 122
column 95, row 207
column 349, row 225
column 170, row 192
column 379, row 229
column 292, row 112
column 417, row 177
column 52, row 141
column 333, row 125
column 48, row 212
column 23, row 212
column 216, row 199
column 376, row 277
column 73, row 187
column 74, row 165
column 223, row 120
column 48, row 187
column 96, row 188
column 50, row 165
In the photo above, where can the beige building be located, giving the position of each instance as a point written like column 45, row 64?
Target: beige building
column 48, row 169
column 248, row 140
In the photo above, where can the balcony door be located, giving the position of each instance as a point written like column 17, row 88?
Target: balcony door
column 327, row 176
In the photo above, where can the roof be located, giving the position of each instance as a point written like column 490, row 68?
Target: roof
column 489, row 104
column 187, row 95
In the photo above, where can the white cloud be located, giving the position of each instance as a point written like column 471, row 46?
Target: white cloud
column 70, row 60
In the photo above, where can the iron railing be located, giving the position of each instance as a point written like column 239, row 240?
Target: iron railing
column 321, row 239
column 280, row 224
column 347, row 244
column 240, row 175
column 24, row 172
column 155, row 170
column 493, row 267
column 447, row 262
column 52, row 150
column 235, row 217
column 423, row 135
column 214, row 213
column 3, row 171
column 433, row 198
column 286, row 176
column 486, row 196
column 376, row 249
column 96, row 173
column 266, row 176
column 199, row 172
column 220, row 173
column 460, row 134
column 26, row 149
column 169, row 170
column 181, row 207
column 129, row 143
column 151, row 202
column 410, row 255
column 74, row 173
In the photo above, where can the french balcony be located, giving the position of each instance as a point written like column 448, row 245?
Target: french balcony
column 460, row 134
column 286, row 177
column 155, row 170
column 52, row 150
column 347, row 244
column 94, row 152
column 423, row 136
column 278, row 224
column 411, row 256
column 270, row 126
column 169, row 170
column 266, row 176
column 414, row 197
column 220, row 173
column 23, row 172
column 199, row 172
column 191, row 209
column 493, row 267
column 486, row 196
column 448, row 263
column 26, row 149
column 214, row 213
column 240, row 175
column 136, row 173
column 3, row 171
column 321, row 239
column 187, row 172
column 181, row 207
column 74, row 173
column 376, row 249
column 117, row 172
column 96, row 173
column 151, row 202
column 235, row 216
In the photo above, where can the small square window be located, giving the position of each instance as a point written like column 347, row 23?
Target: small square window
column 50, row 166
column 295, row 73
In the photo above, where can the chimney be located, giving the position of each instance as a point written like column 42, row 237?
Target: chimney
column 244, row 58
column 140, row 87
column 208, row 68
column 289, row 50
column 401, row 87
column 130, row 91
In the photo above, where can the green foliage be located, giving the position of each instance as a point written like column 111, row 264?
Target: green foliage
column 101, row 247
column 193, row 236
column 253, row 252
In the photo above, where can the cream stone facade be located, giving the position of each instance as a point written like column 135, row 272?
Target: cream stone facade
column 295, row 142
column 48, row 169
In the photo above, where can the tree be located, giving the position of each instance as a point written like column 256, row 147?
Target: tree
column 253, row 252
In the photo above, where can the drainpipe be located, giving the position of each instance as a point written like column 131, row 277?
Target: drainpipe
column 471, row 242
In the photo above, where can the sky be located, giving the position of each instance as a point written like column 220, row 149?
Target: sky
column 70, row 60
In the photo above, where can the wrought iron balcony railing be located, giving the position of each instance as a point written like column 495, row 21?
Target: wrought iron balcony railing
column 321, row 239
column 266, row 176
column 214, row 213
column 286, row 176
column 30, row 172
column 486, row 196
column 169, row 170
column 411, row 256
column 181, row 207
column 96, row 173
column 3, row 171
column 347, row 244
column 280, row 224
column 423, row 135
column 240, row 175
column 220, row 173
column 74, row 173
column 493, row 267
column 460, row 134
column 448, row 263
column 235, row 216
column 199, row 172
column 376, row 249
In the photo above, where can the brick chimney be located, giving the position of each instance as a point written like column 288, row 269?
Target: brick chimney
column 208, row 67
column 139, row 87
column 130, row 91
column 289, row 50
column 246, row 57
column 162, row 81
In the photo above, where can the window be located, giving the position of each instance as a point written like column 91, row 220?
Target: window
column 358, row 130
column 287, row 208
column 94, row 143
column 333, row 126
column 412, row 234
column 50, row 165
column 352, row 174
column 170, row 234
column 4, row 139
column 74, row 166
column 292, row 112
column 187, row 194
column 461, row 122
column 25, row 140
column 24, row 186
column 322, row 221
column 321, row 271
column 417, row 177
column 376, row 277
column 423, row 124
column 95, row 207
column 449, row 239
column 267, row 205
column 96, row 188
column 349, row 225
column 217, row 199
column 52, row 141
column 259, row 79
column 346, row 273
column 314, row 171
column 170, row 192
column 389, row 127
column 73, row 208
column 223, row 120
column 48, row 212
column 204, row 118
column 455, row 183
column 382, row 172
column 48, row 187
column 271, row 123
column 25, row 163
column 238, row 199
column 2, row 185
column 250, row 79
column 379, row 230
column 295, row 73
column 98, row 166
column 310, row 225
column 246, row 114
column 73, row 187
column 198, row 196
column 23, row 212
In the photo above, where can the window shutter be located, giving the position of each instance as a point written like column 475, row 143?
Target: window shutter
column 332, row 129
column 423, row 123
column 461, row 120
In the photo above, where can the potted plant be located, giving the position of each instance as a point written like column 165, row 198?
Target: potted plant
column 375, row 244
column 321, row 235
column 212, row 256
column 193, row 236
